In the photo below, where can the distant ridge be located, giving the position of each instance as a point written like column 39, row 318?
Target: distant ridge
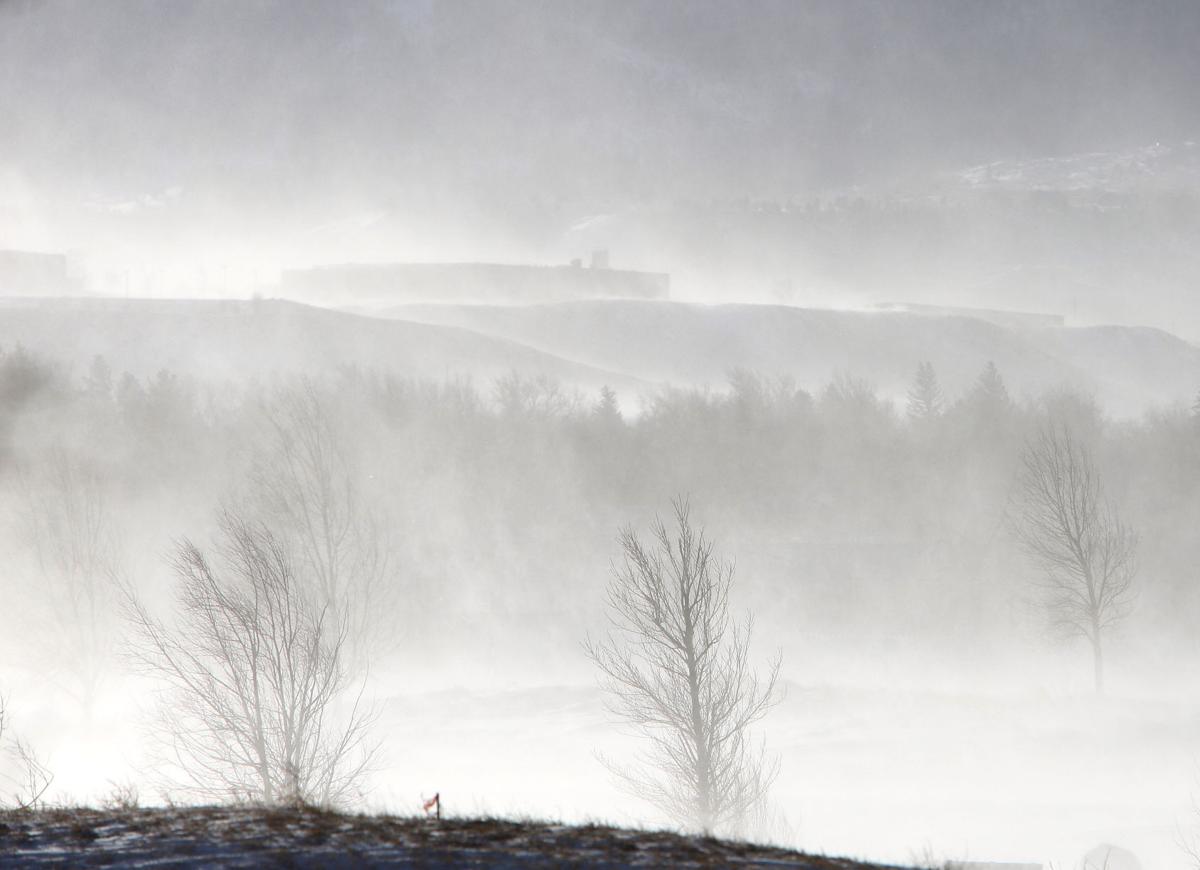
column 632, row 346
column 397, row 283
column 1127, row 369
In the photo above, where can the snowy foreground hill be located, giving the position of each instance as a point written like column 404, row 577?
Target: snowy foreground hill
column 246, row 837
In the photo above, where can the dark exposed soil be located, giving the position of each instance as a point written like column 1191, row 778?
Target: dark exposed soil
column 260, row 837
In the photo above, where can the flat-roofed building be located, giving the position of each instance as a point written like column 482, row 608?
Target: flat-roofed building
column 400, row 283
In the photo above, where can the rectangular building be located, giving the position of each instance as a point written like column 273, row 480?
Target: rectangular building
column 491, row 283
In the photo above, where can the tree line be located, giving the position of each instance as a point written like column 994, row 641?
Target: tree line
column 487, row 482
column 347, row 511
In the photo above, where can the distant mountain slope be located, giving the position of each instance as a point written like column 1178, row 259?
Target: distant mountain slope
column 1126, row 368
column 227, row 338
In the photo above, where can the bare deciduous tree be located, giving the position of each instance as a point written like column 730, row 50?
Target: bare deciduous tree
column 1087, row 556
column 27, row 774
column 676, row 669
column 304, row 484
column 1188, row 840
column 534, row 397
column 255, row 676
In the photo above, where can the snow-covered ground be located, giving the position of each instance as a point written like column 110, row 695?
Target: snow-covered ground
column 888, row 776
column 988, row 772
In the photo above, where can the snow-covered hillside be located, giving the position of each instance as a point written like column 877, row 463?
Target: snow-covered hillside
column 1127, row 369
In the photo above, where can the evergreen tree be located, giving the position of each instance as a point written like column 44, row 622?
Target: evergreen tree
column 987, row 408
column 925, row 395
column 987, row 402
column 608, row 411
column 989, row 389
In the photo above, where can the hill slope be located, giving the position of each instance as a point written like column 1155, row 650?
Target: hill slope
column 247, row 837
column 226, row 339
column 1126, row 368
column 631, row 346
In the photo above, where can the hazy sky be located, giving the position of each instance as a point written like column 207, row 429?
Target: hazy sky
column 461, row 126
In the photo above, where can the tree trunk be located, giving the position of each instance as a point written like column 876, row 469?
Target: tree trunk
column 704, row 808
column 1098, row 665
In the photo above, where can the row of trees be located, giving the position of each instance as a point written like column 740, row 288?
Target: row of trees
column 261, row 664
column 260, row 668
column 320, row 539
column 927, row 489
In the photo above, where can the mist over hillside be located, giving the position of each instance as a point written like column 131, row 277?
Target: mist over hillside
column 634, row 348
column 1127, row 370
column 1050, row 236
column 774, row 422
column 756, row 151
column 231, row 340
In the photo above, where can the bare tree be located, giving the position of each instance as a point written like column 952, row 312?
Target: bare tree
column 27, row 774
column 255, row 676
column 676, row 669
column 533, row 397
column 304, row 484
column 1188, row 841
column 65, row 519
column 1066, row 525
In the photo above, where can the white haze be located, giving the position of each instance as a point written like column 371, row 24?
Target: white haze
column 792, row 166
